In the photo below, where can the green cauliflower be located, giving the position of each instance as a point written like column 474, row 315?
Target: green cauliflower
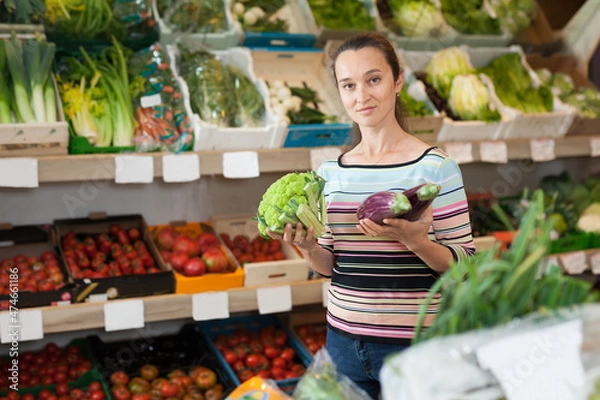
column 295, row 197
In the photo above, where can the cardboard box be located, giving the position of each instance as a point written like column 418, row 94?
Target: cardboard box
column 33, row 240
column 118, row 287
column 293, row 269
column 207, row 282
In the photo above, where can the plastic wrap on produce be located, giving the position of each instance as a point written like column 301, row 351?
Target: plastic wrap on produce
column 448, row 368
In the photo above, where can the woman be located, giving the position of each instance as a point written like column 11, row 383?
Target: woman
column 380, row 273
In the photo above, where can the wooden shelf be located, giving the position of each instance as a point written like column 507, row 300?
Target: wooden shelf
column 102, row 166
column 81, row 316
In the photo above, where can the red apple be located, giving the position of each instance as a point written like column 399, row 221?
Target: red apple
column 207, row 240
column 166, row 237
column 178, row 260
column 194, row 267
column 215, row 260
column 185, row 244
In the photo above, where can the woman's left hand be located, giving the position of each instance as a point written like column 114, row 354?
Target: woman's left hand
column 411, row 234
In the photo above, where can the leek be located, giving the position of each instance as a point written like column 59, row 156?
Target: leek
column 5, row 116
column 50, row 101
column 38, row 56
column 21, row 87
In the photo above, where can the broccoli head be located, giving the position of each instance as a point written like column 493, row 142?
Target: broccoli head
column 295, row 197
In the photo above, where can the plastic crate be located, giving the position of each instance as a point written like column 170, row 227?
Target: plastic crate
column 183, row 350
column 230, row 37
column 306, row 69
column 211, row 329
column 118, row 287
column 33, row 240
column 270, row 134
column 573, row 242
column 293, row 269
column 81, row 382
column 210, row 281
column 300, row 33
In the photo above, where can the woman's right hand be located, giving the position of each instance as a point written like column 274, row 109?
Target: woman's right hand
column 303, row 239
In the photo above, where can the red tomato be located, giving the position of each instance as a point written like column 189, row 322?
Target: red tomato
column 230, row 357
column 93, row 386
column 288, row 354
column 271, row 352
column 119, row 377
column 97, row 395
column 278, row 362
column 280, row 338
column 252, row 360
column 169, row 389
column 42, row 395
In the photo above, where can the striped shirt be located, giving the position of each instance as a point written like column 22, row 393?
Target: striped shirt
column 377, row 284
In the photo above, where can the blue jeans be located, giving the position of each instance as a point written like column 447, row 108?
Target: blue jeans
column 360, row 361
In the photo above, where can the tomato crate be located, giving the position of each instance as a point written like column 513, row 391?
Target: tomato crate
column 77, row 355
column 127, row 283
column 218, row 329
column 32, row 241
column 293, row 268
column 309, row 328
column 181, row 351
column 231, row 278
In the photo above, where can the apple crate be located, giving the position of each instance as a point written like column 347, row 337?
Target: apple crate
column 300, row 33
column 82, row 381
column 293, row 269
column 33, row 240
column 207, row 136
column 207, row 282
column 253, row 324
column 182, row 351
column 306, row 68
column 118, row 287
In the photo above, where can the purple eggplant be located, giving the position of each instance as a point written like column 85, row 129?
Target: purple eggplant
column 382, row 205
column 420, row 197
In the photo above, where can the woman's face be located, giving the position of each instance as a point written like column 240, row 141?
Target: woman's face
column 367, row 87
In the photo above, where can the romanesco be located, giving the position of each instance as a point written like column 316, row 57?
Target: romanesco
column 295, row 197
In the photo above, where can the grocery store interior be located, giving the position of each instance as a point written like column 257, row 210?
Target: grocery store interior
column 139, row 137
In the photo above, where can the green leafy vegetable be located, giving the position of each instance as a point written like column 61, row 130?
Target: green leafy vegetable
column 419, row 18
column 206, row 16
column 351, row 14
column 444, row 66
column 469, row 17
column 250, row 103
column 469, row 99
column 22, row 11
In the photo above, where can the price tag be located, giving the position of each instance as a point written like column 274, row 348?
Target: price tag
column 21, row 325
column 325, row 292
column 595, row 146
column 241, row 164
column 460, row 152
column 181, row 167
column 123, row 314
column 493, row 152
column 150, row 101
column 322, row 154
column 544, row 363
column 274, row 299
column 595, row 263
column 208, row 306
column 574, row 263
column 19, row 172
column 97, row 297
column 542, row 149
column 134, row 169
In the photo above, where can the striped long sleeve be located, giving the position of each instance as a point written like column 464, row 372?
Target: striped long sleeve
column 378, row 285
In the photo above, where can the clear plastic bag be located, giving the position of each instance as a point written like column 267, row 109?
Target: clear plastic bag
column 321, row 381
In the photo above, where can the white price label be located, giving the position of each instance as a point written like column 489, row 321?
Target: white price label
column 322, row 154
column 595, row 146
column 21, row 325
column 241, row 164
column 595, row 263
column 19, row 172
column 493, row 152
column 134, row 169
column 150, row 101
column 542, row 150
column 544, row 363
column 181, row 168
column 574, row 263
column 325, row 292
column 97, row 298
column 460, row 152
column 274, row 299
column 209, row 306
column 123, row 314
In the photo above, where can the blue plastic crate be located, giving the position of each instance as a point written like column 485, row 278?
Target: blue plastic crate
column 317, row 135
column 211, row 329
column 278, row 39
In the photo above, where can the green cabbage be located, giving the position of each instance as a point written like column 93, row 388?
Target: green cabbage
column 444, row 66
column 513, row 16
column 418, row 18
column 469, row 99
column 469, row 17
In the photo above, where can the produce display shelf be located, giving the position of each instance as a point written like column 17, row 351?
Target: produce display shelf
column 102, row 166
column 75, row 317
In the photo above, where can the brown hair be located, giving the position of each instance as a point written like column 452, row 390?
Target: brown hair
column 379, row 42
